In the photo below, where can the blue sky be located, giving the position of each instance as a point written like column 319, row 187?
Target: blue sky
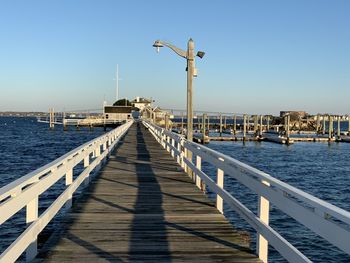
column 261, row 56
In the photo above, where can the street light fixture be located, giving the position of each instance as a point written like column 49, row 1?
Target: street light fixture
column 191, row 72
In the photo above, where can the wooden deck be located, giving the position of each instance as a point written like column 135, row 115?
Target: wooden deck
column 144, row 208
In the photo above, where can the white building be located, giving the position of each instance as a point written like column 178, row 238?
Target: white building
column 117, row 113
column 141, row 103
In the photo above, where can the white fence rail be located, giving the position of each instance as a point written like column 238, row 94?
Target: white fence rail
column 324, row 219
column 25, row 191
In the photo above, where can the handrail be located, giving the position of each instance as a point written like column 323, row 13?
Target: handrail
column 25, row 191
column 326, row 220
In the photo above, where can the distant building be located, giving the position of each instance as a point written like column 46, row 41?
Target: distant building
column 118, row 113
column 141, row 103
column 301, row 114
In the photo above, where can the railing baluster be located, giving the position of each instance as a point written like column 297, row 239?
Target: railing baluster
column 86, row 164
column 220, row 183
column 32, row 215
column 172, row 144
column 262, row 245
column 69, row 181
column 199, row 167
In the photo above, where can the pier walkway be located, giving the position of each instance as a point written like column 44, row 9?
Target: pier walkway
column 142, row 207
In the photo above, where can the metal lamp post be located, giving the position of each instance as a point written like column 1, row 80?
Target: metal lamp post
column 191, row 72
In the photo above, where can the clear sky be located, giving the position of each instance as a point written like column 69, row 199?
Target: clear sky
column 261, row 56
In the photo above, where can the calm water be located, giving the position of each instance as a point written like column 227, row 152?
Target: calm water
column 26, row 145
column 320, row 169
column 317, row 168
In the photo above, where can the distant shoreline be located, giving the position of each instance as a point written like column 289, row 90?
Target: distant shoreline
column 22, row 114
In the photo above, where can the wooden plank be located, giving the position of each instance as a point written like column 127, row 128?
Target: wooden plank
column 142, row 207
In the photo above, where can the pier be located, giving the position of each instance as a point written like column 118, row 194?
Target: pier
column 143, row 200
column 143, row 208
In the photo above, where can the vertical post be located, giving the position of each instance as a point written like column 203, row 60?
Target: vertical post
column 244, row 127
column 267, row 123
column 255, row 124
column 330, row 127
column 86, row 164
column 166, row 122
column 220, row 183
column 263, row 213
column 203, row 127
column 209, row 125
column 300, row 124
column 348, row 125
column 199, row 167
column 234, row 124
column 288, row 124
column 178, row 159
column 52, row 118
column 225, row 123
column 190, row 73
column 318, row 122
column 220, row 125
column 248, row 123
column 98, row 151
column 172, row 144
column 338, row 130
column 32, row 215
column 69, row 181
column 261, row 126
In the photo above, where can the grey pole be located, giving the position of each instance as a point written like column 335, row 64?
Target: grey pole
column 338, row 131
column 190, row 72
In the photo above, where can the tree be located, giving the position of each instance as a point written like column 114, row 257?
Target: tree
column 122, row 102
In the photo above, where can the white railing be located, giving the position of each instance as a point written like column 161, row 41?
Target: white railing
column 25, row 191
column 326, row 220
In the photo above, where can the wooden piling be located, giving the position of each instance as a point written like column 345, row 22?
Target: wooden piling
column 324, row 125
column 338, row 130
column 203, row 126
column 220, row 125
column 318, row 123
column 261, row 126
column 255, row 124
column 330, row 127
column 244, row 127
column 234, row 124
column 52, row 118
column 267, row 123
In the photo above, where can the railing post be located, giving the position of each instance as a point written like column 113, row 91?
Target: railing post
column 185, row 156
column 167, row 143
column 32, row 215
column 98, row 150
column 178, row 159
column 86, row 164
column 199, row 167
column 262, row 245
column 220, row 183
column 172, row 144
column 69, row 181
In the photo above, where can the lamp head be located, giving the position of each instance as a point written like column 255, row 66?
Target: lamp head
column 157, row 44
column 200, row 54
